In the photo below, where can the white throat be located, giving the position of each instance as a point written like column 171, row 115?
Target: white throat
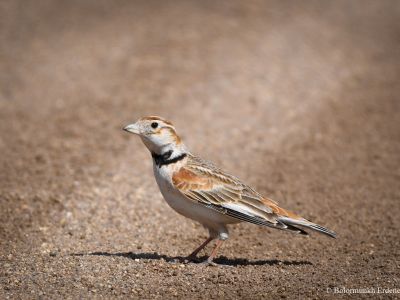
column 174, row 149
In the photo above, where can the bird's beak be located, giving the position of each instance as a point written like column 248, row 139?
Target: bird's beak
column 132, row 128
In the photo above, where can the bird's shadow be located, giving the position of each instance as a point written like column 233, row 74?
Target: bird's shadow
column 222, row 260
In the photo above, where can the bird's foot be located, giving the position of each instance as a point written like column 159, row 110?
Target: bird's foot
column 210, row 263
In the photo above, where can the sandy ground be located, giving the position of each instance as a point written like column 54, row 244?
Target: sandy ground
column 298, row 99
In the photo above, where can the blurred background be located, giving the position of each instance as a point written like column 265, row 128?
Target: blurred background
column 298, row 99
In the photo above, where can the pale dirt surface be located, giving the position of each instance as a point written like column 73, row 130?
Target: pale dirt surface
column 298, row 99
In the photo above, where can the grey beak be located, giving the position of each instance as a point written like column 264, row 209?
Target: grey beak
column 132, row 128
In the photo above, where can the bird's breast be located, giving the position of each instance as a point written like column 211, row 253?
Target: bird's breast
column 175, row 199
column 184, row 206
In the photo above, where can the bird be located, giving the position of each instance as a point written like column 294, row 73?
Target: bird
column 203, row 192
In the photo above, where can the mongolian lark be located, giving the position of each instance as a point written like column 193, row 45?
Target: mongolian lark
column 201, row 191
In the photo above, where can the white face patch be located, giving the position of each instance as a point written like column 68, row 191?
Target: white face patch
column 157, row 140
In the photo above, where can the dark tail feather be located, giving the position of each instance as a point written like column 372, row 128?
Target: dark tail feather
column 307, row 224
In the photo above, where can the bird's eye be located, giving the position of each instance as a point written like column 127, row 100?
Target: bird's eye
column 154, row 125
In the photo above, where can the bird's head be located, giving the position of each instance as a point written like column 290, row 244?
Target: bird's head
column 158, row 134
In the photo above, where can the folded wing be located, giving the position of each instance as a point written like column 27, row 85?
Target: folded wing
column 210, row 186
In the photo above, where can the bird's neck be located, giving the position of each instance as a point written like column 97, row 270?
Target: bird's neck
column 169, row 154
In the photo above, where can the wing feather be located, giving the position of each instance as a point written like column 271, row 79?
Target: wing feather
column 202, row 182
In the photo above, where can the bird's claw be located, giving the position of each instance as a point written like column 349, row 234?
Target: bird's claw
column 209, row 263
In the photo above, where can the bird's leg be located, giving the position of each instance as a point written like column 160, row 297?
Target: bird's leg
column 201, row 247
column 218, row 244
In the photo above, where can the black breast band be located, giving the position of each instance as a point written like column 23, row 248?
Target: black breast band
column 164, row 159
